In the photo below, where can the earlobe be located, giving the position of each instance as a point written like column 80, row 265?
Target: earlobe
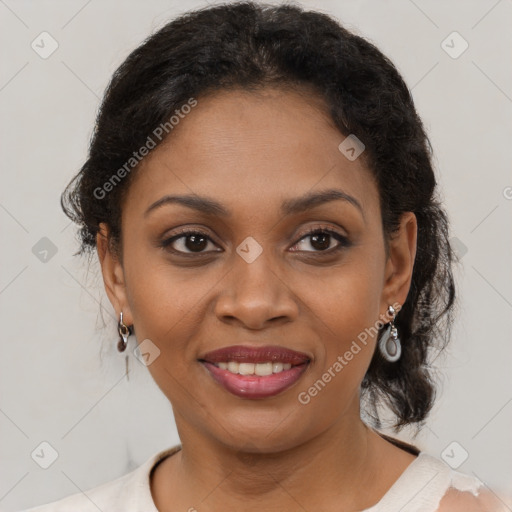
column 402, row 254
column 113, row 273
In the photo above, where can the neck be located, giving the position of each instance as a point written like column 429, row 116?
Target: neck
column 336, row 467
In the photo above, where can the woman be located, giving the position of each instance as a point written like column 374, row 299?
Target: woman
column 260, row 194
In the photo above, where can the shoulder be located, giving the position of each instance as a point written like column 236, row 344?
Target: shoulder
column 88, row 501
column 464, row 501
column 131, row 491
column 430, row 484
column 101, row 497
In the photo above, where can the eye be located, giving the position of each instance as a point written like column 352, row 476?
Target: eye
column 192, row 240
column 321, row 239
column 195, row 241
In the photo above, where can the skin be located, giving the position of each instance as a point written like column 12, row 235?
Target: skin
column 251, row 151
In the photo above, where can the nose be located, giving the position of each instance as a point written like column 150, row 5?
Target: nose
column 255, row 295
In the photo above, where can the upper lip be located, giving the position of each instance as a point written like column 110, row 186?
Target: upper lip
column 248, row 354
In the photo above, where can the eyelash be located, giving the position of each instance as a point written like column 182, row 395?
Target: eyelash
column 343, row 240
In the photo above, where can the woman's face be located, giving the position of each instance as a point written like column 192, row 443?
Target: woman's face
column 253, row 277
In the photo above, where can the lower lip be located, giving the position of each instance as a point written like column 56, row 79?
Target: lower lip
column 254, row 386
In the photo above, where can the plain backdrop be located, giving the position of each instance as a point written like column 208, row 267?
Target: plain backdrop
column 62, row 380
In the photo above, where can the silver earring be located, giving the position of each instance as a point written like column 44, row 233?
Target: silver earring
column 389, row 343
column 124, row 333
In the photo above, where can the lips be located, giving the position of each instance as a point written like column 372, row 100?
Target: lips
column 243, row 354
column 255, row 372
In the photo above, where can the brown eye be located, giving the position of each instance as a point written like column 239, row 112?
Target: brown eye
column 321, row 240
column 187, row 242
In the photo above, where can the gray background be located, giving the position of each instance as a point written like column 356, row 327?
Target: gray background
column 62, row 380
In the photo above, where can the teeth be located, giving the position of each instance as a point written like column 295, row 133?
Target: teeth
column 246, row 368
column 277, row 367
column 260, row 369
column 263, row 369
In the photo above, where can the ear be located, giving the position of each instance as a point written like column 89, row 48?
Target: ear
column 400, row 262
column 113, row 274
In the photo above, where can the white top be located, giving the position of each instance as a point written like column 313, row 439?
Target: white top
column 419, row 488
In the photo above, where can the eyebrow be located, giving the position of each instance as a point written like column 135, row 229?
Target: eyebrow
column 293, row 206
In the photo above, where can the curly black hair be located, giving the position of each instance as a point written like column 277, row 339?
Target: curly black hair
column 253, row 45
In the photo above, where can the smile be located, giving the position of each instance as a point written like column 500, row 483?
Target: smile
column 255, row 372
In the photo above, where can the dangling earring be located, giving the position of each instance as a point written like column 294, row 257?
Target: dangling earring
column 124, row 333
column 389, row 343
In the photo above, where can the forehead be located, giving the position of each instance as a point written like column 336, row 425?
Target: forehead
column 251, row 151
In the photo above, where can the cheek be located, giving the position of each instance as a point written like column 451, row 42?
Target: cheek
column 347, row 320
column 345, row 309
column 168, row 303
column 166, row 306
column 348, row 301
